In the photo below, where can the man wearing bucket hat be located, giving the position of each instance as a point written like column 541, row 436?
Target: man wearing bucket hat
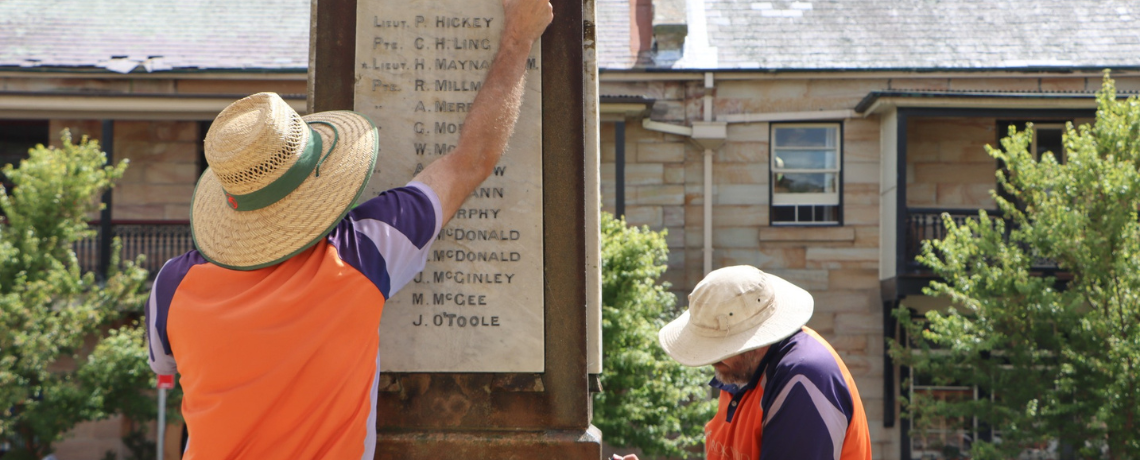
column 273, row 320
column 784, row 392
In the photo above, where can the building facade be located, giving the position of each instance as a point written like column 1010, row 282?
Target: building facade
column 817, row 140
column 823, row 140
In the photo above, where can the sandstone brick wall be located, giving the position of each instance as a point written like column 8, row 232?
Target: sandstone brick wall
column 92, row 439
column 163, row 170
column 163, row 165
column 947, row 164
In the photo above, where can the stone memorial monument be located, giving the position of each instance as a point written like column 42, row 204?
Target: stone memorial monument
column 484, row 354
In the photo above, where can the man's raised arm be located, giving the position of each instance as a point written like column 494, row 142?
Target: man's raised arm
column 492, row 118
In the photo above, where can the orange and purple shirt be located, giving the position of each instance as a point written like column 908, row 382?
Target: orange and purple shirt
column 801, row 403
column 283, row 361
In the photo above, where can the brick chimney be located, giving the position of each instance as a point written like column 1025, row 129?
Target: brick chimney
column 641, row 27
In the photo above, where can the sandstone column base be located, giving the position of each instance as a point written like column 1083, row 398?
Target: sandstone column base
column 490, row 445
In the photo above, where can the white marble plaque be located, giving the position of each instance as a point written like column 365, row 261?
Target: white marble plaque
column 478, row 306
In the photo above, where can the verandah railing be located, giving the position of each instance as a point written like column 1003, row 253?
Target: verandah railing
column 158, row 240
column 926, row 224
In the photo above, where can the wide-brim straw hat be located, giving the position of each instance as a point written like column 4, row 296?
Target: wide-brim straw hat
column 277, row 182
column 734, row 310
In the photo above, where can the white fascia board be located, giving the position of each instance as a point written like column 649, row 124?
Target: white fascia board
column 118, row 107
column 284, row 76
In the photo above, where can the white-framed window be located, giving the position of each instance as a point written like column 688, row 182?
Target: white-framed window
column 806, row 173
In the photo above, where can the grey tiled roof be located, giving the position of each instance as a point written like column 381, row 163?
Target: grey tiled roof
column 156, row 34
column 745, row 34
column 919, row 34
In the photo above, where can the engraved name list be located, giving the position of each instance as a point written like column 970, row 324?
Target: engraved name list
column 478, row 305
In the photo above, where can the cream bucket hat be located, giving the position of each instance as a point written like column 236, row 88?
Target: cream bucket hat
column 277, row 182
column 733, row 310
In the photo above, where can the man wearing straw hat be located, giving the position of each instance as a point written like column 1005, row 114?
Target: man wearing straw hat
column 272, row 322
column 784, row 392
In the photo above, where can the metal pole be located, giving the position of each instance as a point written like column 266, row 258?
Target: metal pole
column 619, row 169
column 161, row 421
column 105, row 229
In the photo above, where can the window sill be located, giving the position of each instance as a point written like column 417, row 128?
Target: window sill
column 807, row 233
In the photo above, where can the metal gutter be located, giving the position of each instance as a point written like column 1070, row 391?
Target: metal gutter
column 640, row 77
column 874, row 96
column 624, row 75
column 1092, row 69
column 980, row 103
column 788, row 116
column 203, row 74
column 139, row 95
column 624, row 99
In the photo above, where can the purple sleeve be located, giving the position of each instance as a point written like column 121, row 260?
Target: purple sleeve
column 160, row 357
column 807, row 405
column 387, row 238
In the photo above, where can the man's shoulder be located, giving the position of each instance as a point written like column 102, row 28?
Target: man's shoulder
column 806, row 361
column 413, row 194
column 806, row 353
column 413, row 210
column 175, row 269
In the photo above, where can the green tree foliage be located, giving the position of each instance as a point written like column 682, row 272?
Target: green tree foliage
column 1059, row 355
column 50, row 379
column 648, row 400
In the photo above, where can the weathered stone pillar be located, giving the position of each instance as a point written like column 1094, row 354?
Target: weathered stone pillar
column 484, row 353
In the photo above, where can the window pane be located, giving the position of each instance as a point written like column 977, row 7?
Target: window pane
column 805, row 159
column 805, row 183
column 17, row 136
column 825, row 213
column 823, row 136
column 783, row 213
column 805, row 214
column 1049, row 140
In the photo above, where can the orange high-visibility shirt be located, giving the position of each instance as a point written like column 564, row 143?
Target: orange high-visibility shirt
column 802, row 404
column 282, row 362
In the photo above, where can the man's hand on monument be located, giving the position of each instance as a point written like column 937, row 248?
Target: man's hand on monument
column 525, row 21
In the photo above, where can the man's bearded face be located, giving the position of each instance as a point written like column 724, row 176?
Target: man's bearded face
column 738, row 369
